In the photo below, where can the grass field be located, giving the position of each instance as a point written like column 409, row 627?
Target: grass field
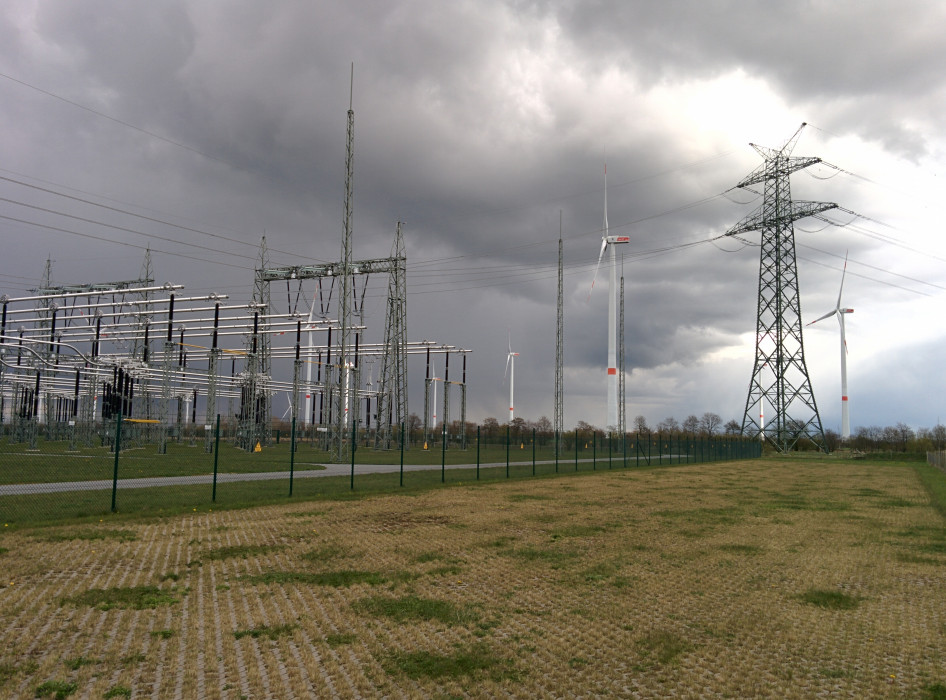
column 765, row 578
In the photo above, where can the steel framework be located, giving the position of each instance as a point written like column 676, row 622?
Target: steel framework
column 780, row 376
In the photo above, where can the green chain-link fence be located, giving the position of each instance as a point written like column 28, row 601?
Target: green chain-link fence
column 52, row 475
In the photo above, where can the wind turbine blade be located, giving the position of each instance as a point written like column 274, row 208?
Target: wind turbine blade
column 822, row 318
column 842, row 280
column 508, row 360
column 604, row 244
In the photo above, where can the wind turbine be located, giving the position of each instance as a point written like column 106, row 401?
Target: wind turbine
column 839, row 312
column 511, row 371
column 607, row 241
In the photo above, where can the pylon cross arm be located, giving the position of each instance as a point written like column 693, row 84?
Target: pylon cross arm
column 761, row 218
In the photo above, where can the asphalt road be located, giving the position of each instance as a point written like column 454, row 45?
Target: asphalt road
column 224, row 477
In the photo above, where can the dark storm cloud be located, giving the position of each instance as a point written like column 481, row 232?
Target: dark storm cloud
column 476, row 123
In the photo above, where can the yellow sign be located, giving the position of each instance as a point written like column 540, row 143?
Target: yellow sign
column 258, row 448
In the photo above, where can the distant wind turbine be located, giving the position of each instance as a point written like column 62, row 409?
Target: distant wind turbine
column 839, row 312
column 511, row 371
column 610, row 241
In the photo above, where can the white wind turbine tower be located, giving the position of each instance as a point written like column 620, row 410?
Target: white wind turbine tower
column 609, row 241
column 511, row 371
column 839, row 312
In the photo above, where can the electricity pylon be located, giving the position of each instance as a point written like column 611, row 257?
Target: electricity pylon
column 780, row 375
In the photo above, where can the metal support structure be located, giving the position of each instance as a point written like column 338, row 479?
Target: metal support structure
column 392, row 393
column 558, row 426
column 264, row 364
column 344, row 301
column 780, row 376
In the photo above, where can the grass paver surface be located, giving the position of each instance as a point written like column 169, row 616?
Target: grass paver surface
column 787, row 578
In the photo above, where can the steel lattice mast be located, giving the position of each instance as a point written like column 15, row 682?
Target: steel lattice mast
column 780, row 376
column 559, row 418
column 344, row 301
column 392, row 395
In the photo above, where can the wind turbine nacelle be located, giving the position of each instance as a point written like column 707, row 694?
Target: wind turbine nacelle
column 618, row 239
column 846, row 311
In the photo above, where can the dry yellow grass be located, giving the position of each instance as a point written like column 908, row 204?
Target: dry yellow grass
column 686, row 580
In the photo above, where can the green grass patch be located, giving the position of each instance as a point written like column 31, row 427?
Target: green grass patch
column 445, row 570
column 78, row 662
column 326, row 552
column 557, row 558
column 934, row 482
column 412, row 608
column 162, row 634
column 830, row 600
column 134, row 597
column 239, row 551
column 662, row 646
column 934, row 691
column 337, row 640
column 577, row 530
column 87, row 535
column 600, row 572
column 3, row 550
column 472, row 661
column 426, row 557
column 56, row 689
column 271, row 631
column 746, row 549
column 337, row 579
column 133, row 659
column 520, row 497
column 117, row 691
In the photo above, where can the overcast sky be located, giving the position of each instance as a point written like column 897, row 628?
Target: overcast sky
column 478, row 124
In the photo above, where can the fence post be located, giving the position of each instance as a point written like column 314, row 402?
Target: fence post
column 507, row 450
column 557, row 445
column 402, row 453
column 443, row 452
column 610, row 451
column 533, row 452
column 292, row 453
column 477, row 452
column 118, row 447
column 576, row 449
column 213, row 496
column 354, row 427
column 594, row 450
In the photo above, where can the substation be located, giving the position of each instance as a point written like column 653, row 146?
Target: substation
column 76, row 359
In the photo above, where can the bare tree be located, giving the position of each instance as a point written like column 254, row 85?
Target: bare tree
column 668, row 425
column 732, row 427
column 938, row 436
column 640, row 425
column 691, row 424
column 710, row 423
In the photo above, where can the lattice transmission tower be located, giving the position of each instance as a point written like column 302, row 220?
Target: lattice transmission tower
column 780, row 388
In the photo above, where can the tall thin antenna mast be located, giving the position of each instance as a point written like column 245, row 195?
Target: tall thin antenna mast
column 344, row 308
column 559, row 425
